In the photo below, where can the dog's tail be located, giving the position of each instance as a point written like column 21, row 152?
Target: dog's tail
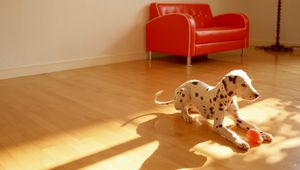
column 162, row 102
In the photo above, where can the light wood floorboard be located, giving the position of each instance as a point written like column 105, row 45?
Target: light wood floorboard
column 104, row 117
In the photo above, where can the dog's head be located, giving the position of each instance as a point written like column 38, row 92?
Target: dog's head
column 238, row 83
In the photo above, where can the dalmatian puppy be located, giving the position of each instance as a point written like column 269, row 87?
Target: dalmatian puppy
column 217, row 102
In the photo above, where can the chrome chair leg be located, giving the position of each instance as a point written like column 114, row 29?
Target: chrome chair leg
column 189, row 61
column 150, row 55
column 243, row 52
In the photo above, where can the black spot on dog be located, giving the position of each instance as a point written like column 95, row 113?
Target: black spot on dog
column 237, row 124
column 215, row 99
column 248, row 128
column 180, row 100
column 217, row 118
column 239, row 121
column 230, row 93
column 221, row 96
column 194, row 82
column 209, row 100
column 201, row 97
column 221, row 104
column 221, row 109
column 234, row 79
column 219, row 126
column 207, row 89
column 212, row 110
column 183, row 95
column 196, row 94
column 225, row 85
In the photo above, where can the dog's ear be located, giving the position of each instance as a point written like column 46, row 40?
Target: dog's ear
column 232, row 78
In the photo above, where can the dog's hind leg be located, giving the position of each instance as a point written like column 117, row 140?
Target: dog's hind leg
column 182, row 103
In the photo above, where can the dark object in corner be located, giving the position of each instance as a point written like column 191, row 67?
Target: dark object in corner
column 277, row 46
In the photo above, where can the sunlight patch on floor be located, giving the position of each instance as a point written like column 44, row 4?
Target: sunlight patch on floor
column 213, row 150
column 71, row 145
column 296, row 118
column 287, row 130
column 262, row 111
column 274, row 152
column 277, row 118
column 265, row 112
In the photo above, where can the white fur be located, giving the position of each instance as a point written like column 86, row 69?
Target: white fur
column 217, row 102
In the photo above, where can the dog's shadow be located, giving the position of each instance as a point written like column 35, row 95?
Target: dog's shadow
column 176, row 139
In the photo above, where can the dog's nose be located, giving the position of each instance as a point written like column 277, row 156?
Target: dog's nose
column 256, row 95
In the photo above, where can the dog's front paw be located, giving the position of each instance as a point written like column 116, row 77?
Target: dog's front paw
column 267, row 137
column 242, row 145
column 187, row 118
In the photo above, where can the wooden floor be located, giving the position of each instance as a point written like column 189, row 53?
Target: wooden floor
column 104, row 117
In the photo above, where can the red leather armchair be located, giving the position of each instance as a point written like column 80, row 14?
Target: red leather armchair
column 190, row 30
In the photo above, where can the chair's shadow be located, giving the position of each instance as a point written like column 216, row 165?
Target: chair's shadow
column 176, row 139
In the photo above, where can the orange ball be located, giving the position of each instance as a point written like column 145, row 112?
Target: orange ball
column 254, row 136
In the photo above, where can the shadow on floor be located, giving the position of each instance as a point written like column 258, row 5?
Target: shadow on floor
column 176, row 142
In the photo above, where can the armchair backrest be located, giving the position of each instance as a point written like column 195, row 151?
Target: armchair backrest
column 200, row 12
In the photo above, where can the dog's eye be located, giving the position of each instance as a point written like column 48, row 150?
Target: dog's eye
column 243, row 85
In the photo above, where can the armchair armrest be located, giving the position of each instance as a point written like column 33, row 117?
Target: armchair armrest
column 172, row 33
column 232, row 20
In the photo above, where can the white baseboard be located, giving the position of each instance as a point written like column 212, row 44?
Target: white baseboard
column 269, row 42
column 28, row 70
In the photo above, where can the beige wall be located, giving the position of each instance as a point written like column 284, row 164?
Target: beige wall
column 38, row 36
column 263, row 15
column 46, row 31
column 49, row 35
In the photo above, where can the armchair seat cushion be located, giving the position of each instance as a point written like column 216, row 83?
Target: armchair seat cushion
column 219, row 34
